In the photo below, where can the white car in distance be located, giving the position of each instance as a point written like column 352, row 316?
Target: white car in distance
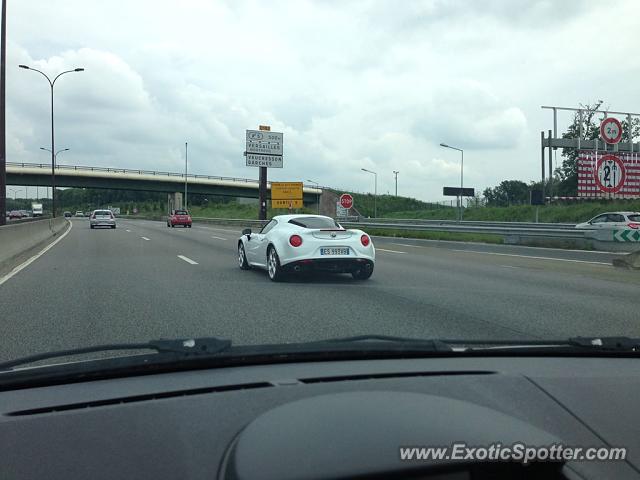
column 612, row 220
column 306, row 243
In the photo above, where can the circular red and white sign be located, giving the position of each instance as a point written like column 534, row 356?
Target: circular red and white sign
column 611, row 130
column 610, row 174
column 346, row 200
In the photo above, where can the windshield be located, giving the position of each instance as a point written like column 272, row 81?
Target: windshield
column 437, row 169
column 314, row 222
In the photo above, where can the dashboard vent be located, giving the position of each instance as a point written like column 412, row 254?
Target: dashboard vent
column 137, row 398
column 377, row 376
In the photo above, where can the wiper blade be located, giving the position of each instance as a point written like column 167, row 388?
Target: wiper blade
column 188, row 347
column 586, row 344
column 431, row 344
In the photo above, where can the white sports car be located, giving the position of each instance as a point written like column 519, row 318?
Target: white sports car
column 297, row 243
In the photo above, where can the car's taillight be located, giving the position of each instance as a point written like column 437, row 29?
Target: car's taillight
column 295, row 240
column 364, row 239
column 633, row 225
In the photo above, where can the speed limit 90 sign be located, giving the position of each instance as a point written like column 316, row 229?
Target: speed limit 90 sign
column 611, row 130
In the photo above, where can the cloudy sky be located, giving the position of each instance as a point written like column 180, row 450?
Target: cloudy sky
column 373, row 83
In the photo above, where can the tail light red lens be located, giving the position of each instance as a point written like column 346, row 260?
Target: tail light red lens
column 365, row 240
column 295, row 240
column 634, row 225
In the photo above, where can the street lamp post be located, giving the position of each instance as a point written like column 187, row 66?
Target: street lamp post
column 53, row 147
column 185, row 175
column 375, row 194
column 317, row 195
column 461, row 176
column 55, row 157
column 396, row 172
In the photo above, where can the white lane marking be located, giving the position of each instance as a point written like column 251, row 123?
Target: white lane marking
column 424, row 240
column 509, row 266
column 128, row 231
column 145, row 238
column 531, row 256
column 217, row 238
column 220, row 229
column 28, row 262
column 187, row 259
column 390, row 251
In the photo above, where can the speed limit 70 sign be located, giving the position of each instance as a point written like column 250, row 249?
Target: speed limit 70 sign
column 611, row 130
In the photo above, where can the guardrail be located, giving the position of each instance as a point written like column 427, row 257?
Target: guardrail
column 483, row 223
column 512, row 233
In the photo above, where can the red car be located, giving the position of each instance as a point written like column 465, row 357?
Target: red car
column 179, row 217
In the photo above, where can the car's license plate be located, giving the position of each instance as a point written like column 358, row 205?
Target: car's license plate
column 334, row 251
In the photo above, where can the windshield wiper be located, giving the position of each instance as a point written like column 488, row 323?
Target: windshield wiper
column 587, row 344
column 573, row 344
column 182, row 348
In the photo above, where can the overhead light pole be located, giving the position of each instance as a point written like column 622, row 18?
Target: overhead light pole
column 395, row 173
column 55, row 155
column 185, row 175
column 375, row 194
column 53, row 148
column 317, row 195
column 461, row 176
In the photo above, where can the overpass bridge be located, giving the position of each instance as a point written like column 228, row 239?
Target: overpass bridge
column 32, row 174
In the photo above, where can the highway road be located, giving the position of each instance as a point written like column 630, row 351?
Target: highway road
column 145, row 281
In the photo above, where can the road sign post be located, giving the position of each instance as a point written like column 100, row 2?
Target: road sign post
column 263, row 149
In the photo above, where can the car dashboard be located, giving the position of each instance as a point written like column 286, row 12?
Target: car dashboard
column 325, row 420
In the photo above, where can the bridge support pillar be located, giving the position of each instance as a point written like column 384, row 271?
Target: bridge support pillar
column 174, row 201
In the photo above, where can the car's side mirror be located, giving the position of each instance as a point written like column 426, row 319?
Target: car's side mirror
column 247, row 232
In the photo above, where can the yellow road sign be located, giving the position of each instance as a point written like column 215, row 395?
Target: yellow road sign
column 286, row 203
column 286, row 191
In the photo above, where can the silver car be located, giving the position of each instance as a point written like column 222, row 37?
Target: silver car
column 612, row 220
column 102, row 218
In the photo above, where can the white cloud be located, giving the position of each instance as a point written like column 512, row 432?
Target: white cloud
column 353, row 84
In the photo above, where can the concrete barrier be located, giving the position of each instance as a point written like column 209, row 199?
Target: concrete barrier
column 18, row 238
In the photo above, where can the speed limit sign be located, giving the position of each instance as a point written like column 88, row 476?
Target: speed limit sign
column 611, row 130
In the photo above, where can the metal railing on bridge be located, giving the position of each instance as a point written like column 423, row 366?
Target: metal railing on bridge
column 59, row 168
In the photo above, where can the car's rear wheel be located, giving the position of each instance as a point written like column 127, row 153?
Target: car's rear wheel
column 242, row 257
column 189, row 225
column 113, row 226
column 173, row 226
column 273, row 265
column 91, row 227
column 168, row 225
column 362, row 273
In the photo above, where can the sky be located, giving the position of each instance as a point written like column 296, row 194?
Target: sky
column 375, row 84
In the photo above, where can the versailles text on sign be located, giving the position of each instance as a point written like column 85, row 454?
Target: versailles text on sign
column 264, row 142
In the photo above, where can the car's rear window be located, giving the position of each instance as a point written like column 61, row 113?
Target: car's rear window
column 103, row 212
column 182, row 212
column 634, row 218
column 315, row 222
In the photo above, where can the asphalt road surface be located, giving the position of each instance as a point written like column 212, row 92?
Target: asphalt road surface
column 145, row 281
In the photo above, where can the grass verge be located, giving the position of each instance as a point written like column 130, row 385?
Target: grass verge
column 449, row 236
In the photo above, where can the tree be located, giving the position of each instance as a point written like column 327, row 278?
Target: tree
column 509, row 192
